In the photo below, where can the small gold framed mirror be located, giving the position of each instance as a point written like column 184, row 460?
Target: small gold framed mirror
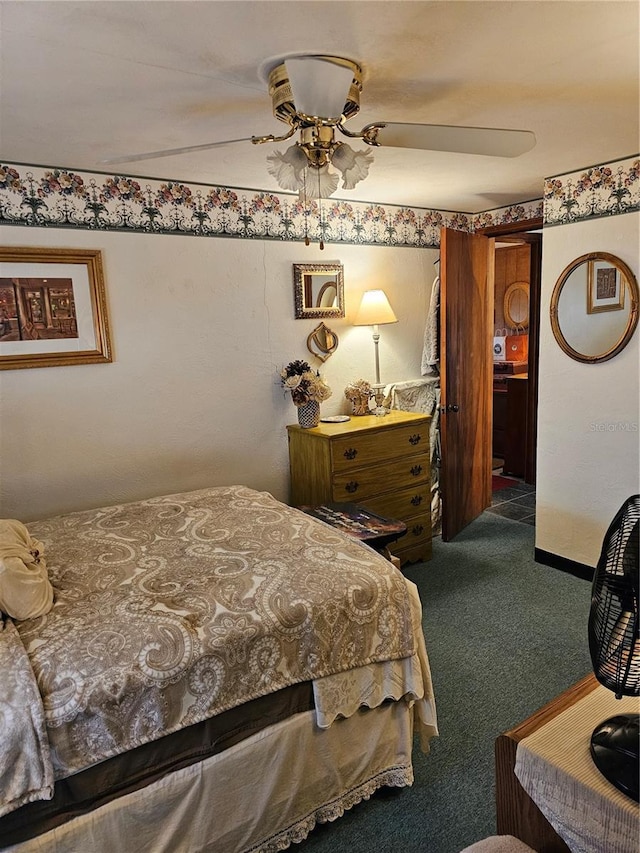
column 318, row 290
column 594, row 307
column 516, row 305
column 322, row 342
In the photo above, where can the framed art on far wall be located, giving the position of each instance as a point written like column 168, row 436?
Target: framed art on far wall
column 606, row 287
column 53, row 308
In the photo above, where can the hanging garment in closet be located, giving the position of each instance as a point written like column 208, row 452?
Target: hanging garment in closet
column 431, row 348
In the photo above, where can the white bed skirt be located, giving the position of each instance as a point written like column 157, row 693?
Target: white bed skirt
column 260, row 795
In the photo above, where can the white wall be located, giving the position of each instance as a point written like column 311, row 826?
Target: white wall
column 588, row 414
column 200, row 330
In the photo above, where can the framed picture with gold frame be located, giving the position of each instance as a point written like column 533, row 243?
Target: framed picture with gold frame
column 53, row 308
column 605, row 287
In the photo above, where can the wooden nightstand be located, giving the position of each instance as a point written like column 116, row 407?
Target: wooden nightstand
column 569, row 788
column 381, row 463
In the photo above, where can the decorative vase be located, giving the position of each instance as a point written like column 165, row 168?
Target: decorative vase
column 309, row 414
column 360, row 406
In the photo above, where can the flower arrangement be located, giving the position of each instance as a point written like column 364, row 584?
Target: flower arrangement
column 359, row 393
column 304, row 384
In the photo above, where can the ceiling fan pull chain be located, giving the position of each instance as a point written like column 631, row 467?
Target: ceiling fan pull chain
column 306, row 208
column 320, row 212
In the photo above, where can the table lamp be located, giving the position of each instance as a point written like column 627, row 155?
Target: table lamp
column 614, row 645
column 375, row 311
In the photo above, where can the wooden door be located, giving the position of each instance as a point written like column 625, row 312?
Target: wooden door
column 466, row 325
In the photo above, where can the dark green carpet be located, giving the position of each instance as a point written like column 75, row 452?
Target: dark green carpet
column 504, row 636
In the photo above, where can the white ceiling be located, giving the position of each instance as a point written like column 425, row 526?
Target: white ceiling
column 86, row 81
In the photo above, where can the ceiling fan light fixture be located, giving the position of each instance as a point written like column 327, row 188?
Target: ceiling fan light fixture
column 319, row 94
column 325, row 87
column 298, row 169
column 317, row 183
column 288, row 168
column 352, row 165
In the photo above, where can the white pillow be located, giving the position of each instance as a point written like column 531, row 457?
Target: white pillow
column 25, row 589
column 499, row 844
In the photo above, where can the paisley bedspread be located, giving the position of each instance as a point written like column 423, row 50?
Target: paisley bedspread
column 26, row 773
column 170, row 610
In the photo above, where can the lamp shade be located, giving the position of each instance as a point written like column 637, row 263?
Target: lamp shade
column 374, row 309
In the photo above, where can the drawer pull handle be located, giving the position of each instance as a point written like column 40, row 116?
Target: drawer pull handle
column 350, row 453
column 351, row 486
column 416, row 500
column 417, row 529
column 417, row 469
column 414, row 439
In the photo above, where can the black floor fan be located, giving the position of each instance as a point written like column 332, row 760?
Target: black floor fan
column 615, row 647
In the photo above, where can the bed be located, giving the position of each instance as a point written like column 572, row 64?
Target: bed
column 218, row 671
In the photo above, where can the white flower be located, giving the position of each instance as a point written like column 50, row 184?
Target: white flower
column 291, row 382
column 304, row 384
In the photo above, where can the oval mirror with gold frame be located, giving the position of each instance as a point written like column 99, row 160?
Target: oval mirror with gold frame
column 516, row 305
column 594, row 307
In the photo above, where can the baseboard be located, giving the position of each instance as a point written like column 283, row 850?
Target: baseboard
column 580, row 570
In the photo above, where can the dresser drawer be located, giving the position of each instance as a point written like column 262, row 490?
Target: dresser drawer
column 365, row 448
column 375, row 480
column 418, row 535
column 415, row 550
column 402, row 504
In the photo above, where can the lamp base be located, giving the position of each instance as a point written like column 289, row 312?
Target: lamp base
column 614, row 749
column 379, row 410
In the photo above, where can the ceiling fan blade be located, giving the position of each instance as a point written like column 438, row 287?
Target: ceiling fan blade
column 169, row 152
column 320, row 87
column 492, row 142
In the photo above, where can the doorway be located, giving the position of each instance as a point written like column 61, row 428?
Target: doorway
column 512, row 272
column 466, row 412
column 515, row 374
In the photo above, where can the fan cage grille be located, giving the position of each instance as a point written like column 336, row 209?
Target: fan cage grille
column 613, row 618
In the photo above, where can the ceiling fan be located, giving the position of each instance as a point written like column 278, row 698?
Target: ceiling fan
column 315, row 95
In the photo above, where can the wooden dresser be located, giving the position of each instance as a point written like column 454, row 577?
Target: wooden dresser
column 381, row 463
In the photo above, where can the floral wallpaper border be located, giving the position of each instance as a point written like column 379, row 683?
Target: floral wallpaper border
column 604, row 190
column 46, row 197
